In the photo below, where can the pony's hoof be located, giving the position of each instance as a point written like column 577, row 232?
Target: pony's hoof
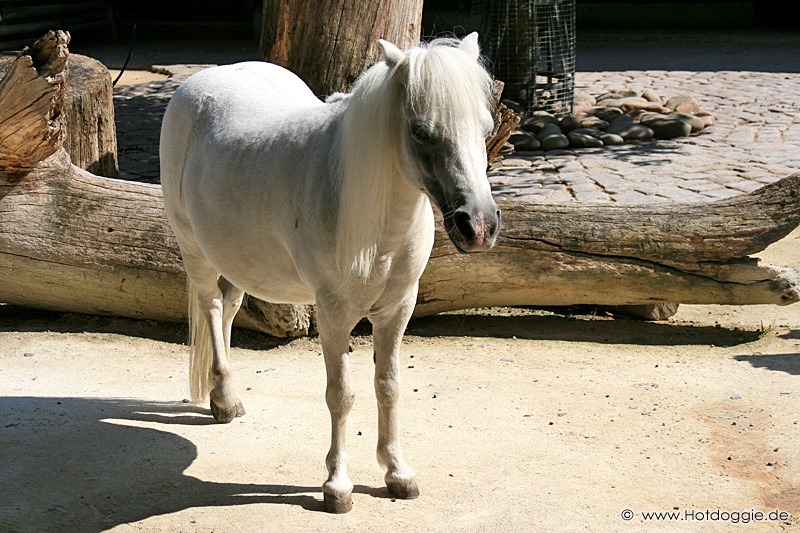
column 224, row 416
column 336, row 505
column 403, row 492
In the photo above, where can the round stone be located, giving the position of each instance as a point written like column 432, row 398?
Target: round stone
column 589, row 121
column 651, row 96
column 610, row 139
column 708, row 120
column 524, row 141
column 616, row 94
column 555, row 142
column 516, row 107
column 696, row 122
column 688, row 107
column 632, row 105
column 605, row 113
column 680, row 99
column 618, row 102
column 583, row 140
column 668, row 128
column 570, row 122
column 650, row 116
column 551, row 138
column 627, row 128
column 584, row 100
column 536, row 122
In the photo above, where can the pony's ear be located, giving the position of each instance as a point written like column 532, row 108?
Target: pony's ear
column 392, row 55
column 469, row 44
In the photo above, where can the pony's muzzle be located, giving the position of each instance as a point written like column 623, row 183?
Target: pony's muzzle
column 474, row 230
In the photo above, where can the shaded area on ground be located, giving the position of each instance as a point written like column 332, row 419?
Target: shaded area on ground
column 108, row 471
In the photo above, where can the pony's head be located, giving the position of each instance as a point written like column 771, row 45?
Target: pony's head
column 446, row 103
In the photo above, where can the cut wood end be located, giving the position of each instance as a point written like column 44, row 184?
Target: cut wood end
column 49, row 53
column 786, row 285
column 32, row 95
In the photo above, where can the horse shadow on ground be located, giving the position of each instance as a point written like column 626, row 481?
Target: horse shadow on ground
column 788, row 363
column 70, row 465
column 602, row 330
column 784, row 362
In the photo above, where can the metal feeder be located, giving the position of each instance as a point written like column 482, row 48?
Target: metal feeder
column 531, row 44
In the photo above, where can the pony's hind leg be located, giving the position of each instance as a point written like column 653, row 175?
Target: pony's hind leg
column 216, row 302
column 388, row 327
column 232, row 297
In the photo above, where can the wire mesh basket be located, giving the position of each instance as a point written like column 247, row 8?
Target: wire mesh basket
column 531, row 44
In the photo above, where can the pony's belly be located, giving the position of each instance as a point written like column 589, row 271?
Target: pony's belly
column 270, row 282
column 262, row 268
column 284, row 294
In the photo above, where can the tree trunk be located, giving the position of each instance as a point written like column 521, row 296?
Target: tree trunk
column 328, row 43
column 73, row 241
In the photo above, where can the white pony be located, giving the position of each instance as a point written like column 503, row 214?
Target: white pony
column 273, row 192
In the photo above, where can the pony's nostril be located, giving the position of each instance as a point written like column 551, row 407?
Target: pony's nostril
column 464, row 224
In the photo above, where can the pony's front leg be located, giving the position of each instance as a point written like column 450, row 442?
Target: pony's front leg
column 388, row 328
column 339, row 395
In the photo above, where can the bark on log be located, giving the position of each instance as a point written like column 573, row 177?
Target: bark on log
column 329, row 43
column 566, row 254
column 70, row 240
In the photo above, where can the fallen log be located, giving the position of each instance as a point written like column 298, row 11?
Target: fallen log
column 73, row 241
column 623, row 255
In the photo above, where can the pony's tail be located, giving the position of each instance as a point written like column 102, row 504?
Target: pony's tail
column 200, row 350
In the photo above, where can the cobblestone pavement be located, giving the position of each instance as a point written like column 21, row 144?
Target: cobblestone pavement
column 756, row 140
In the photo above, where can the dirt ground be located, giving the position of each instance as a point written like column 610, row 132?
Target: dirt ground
column 513, row 420
column 133, row 77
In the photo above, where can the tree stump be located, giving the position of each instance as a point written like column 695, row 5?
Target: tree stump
column 88, row 114
column 91, row 134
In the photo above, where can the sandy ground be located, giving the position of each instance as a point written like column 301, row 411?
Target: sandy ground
column 133, row 77
column 514, row 421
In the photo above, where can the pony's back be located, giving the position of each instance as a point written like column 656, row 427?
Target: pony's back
column 232, row 101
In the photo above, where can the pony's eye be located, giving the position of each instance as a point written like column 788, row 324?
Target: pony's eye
column 422, row 134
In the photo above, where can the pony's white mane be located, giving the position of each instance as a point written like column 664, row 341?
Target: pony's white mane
column 435, row 77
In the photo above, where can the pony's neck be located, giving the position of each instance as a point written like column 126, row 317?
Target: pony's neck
column 370, row 176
